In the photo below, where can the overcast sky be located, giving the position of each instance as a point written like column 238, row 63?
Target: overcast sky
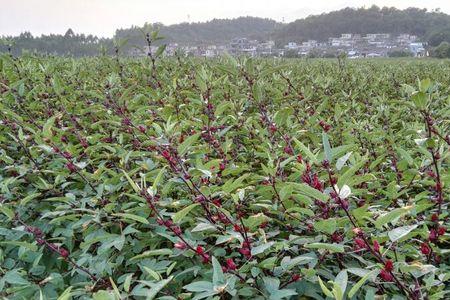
column 102, row 17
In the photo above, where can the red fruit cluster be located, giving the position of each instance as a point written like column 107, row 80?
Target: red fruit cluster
column 360, row 243
column 425, row 248
column 245, row 250
column 386, row 276
column 201, row 252
column 326, row 127
column 230, row 264
column 71, row 167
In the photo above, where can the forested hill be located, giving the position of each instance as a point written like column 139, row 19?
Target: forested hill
column 427, row 25
column 217, row 31
column 432, row 27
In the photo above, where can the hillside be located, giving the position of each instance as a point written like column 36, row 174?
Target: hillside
column 217, row 31
column 415, row 21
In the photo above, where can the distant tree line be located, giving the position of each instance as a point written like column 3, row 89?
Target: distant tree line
column 69, row 44
column 431, row 27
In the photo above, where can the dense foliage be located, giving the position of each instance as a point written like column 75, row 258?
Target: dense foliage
column 216, row 32
column 415, row 21
column 223, row 179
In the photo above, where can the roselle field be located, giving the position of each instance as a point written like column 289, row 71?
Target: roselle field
column 232, row 178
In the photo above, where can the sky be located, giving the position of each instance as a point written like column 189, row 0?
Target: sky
column 103, row 17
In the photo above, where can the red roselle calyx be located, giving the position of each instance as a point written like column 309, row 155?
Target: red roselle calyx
column 425, row 249
column 388, row 265
column 180, row 245
column 376, row 246
column 385, row 275
column 230, row 264
column 71, row 167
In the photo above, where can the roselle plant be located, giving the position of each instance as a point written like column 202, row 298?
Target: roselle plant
column 161, row 178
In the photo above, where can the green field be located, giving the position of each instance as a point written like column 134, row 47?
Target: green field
column 231, row 178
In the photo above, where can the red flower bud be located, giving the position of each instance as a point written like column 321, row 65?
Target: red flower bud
column 295, row 277
column 425, row 249
column 71, row 167
column 66, row 155
column 176, row 230
column 432, row 236
column 435, row 218
column 180, row 245
column 386, row 276
column 205, row 258
column 441, row 230
column 245, row 252
column 389, row 265
column 200, row 199
column 165, row 154
column 376, row 246
column 200, row 250
column 63, row 252
column 360, row 244
column 273, row 128
column 230, row 264
column 141, row 128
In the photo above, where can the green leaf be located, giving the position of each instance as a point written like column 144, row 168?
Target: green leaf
column 149, row 253
column 152, row 273
column 27, row 245
column 325, row 290
column 135, row 187
column 392, row 215
column 7, row 211
column 158, row 287
column 182, row 149
column 203, row 227
column 28, row 198
column 359, row 284
column 327, row 147
column 261, row 248
column 127, row 283
column 199, row 286
column 327, row 225
column 341, row 280
column 399, row 232
column 218, row 276
column 342, row 160
column 344, row 178
column 305, row 151
column 66, row 295
column 311, row 192
column 337, row 248
column 420, row 100
column 15, row 278
column 132, row 217
column 103, row 295
column 46, row 130
column 183, row 213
